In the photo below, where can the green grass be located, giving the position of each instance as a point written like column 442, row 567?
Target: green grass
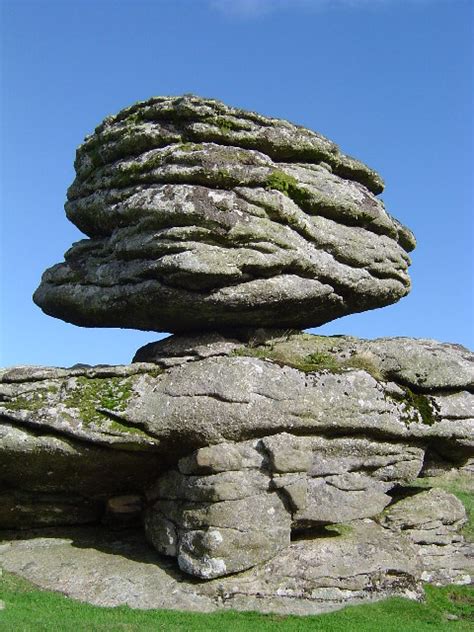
column 317, row 361
column 29, row 609
column 467, row 500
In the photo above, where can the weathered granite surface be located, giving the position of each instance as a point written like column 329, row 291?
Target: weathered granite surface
column 432, row 520
column 112, row 430
column 234, row 465
column 421, row 364
column 273, row 469
column 200, row 215
column 363, row 563
column 230, row 506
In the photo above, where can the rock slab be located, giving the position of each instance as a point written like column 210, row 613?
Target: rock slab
column 364, row 564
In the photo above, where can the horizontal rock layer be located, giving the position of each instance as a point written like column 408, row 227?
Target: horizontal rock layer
column 290, row 462
column 111, row 430
column 230, row 506
column 235, row 391
column 420, row 364
column 200, row 215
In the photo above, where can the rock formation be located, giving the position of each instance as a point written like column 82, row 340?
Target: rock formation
column 266, row 468
column 202, row 216
column 290, row 459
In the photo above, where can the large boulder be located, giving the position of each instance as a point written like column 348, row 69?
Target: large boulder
column 200, row 215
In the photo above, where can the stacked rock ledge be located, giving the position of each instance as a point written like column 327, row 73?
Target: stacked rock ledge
column 278, row 464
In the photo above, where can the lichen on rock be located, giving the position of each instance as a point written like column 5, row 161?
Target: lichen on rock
column 200, row 216
column 273, row 469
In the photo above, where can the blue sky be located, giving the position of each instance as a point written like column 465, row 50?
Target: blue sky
column 389, row 80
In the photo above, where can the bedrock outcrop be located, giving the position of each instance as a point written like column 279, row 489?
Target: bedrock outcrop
column 229, row 447
column 199, row 215
column 284, row 460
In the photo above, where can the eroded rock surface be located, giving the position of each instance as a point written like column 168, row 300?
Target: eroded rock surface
column 432, row 520
column 112, row 430
column 200, row 215
column 233, row 505
column 363, row 563
column 273, row 465
column 421, row 364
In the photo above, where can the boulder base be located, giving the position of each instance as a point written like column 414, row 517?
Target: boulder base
column 269, row 470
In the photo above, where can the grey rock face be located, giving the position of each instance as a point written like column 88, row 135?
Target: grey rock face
column 433, row 381
column 363, row 563
column 174, row 411
column 246, row 453
column 236, row 503
column 421, row 364
column 200, row 215
column 354, row 566
column 432, row 520
column 104, row 431
column 214, row 539
column 427, row 365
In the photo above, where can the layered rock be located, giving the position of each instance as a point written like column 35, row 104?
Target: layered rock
column 270, row 435
column 285, row 469
column 200, row 215
column 230, row 506
column 236, row 446
column 235, row 390
column 432, row 520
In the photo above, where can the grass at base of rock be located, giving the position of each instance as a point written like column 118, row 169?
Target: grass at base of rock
column 467, row 500
column 29, row 609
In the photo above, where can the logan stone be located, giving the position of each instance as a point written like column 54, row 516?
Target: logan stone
column 200, row 216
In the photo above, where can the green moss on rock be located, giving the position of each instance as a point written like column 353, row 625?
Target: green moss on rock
column 422, row 404
column 92, row 394
column 362, row 362
column 288, row 185
column 188, row 147
column 224, row 123
column 418, row 404
column 321, row 359
column 32, row 401
column 282, row 182
column 318, row 361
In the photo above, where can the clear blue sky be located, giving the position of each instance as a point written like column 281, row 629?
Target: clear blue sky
column 389, row 80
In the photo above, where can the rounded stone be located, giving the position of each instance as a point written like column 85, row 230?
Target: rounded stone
column 202, row 216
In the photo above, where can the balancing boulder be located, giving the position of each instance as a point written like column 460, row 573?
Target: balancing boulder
column 201, row 216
